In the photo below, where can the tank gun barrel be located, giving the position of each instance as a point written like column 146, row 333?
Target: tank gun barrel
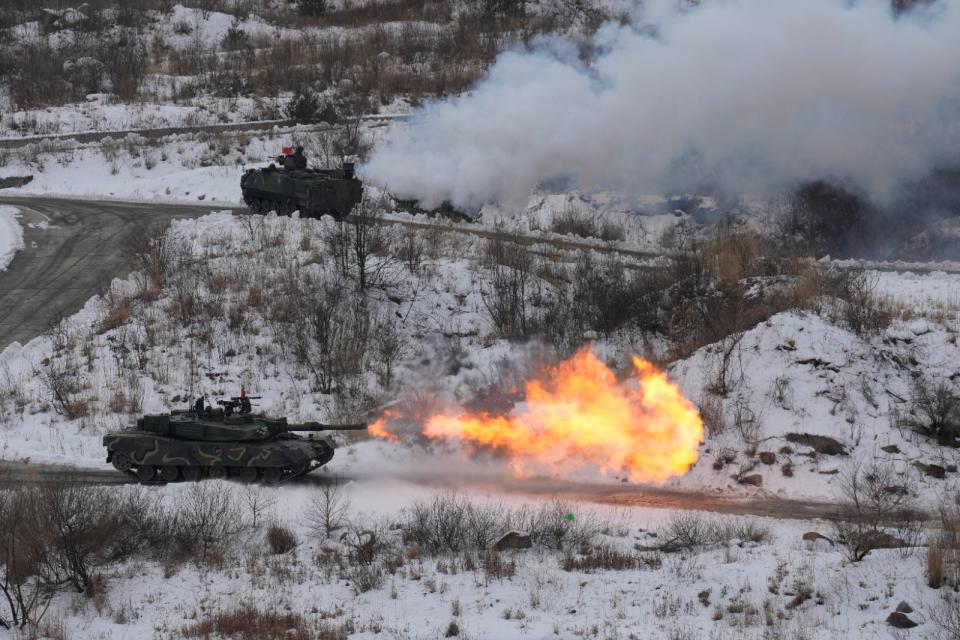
column 319, row 426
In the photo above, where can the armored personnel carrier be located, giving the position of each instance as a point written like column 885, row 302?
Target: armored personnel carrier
column 288, row 185
column 221, row 442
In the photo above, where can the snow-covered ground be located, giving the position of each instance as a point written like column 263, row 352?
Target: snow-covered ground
column 11, row 235
column 774, row 585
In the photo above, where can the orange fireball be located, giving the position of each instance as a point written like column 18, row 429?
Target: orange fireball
column 577, row 414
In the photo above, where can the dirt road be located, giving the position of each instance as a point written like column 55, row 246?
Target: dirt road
column 74, row 248
column 17, row 473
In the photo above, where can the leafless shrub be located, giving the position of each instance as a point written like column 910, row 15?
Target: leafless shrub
column 943, row 553
column 153, row 253
column 367, row 541
column 606, row 558
column 746, row 422
column 27, row 582
column 726, row 352
column 366, row 577
column 781, row 392
column 411, row 250
column 847, row 296
column 328, row 508
column 368, row 240
column 439, row 525
column 509, row 269
column 330, row 333
column 450, row 523
column 389, row 345
column 946, row 615
column 62, row 379
column 742, row 529
column 258, row 501
column 207, row 516
column 933, row 410
column 878, row 512
column 497, row 566
column 711, row 410
column 825, row 218
column 54, row 537
column 687, row 530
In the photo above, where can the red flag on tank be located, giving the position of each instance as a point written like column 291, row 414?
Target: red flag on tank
column 243, row 392
column 287, row 151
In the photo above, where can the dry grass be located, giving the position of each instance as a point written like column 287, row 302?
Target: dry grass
column 607, row 558
column 249, row 623
column 572, row 222
column 281, row 539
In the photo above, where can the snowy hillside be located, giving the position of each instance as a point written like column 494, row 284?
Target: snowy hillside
column 426, row 328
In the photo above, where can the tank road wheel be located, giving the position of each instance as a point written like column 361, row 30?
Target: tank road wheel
column 248, row 474
column 146, row 473
column 169, row 473
column 272, row 475
column 121, row 461
column 217, row 472
column 191, row 474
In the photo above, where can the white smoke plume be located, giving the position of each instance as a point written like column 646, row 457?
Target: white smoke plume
column 733, row 95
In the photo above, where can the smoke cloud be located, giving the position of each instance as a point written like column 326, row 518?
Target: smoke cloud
column 732, row 95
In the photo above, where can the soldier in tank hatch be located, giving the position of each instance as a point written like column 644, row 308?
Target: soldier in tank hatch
column 299, row 160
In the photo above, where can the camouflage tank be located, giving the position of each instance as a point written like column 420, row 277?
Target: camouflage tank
column 219, row 443
column 289, row 186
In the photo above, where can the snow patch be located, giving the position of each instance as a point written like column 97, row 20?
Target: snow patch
column 11, row 235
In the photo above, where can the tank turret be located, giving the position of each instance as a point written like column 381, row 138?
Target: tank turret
column 228, row 440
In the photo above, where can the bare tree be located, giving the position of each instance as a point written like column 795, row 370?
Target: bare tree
column 208, row 516
column 328, row 508
column 726, row 351
column 389, row 346
column 258, row 502
column 26, row 591
column 368, row 239
column 333, row 334
column 509, row 267
column 878, row 510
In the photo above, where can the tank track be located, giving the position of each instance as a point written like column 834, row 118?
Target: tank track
column 286, row 474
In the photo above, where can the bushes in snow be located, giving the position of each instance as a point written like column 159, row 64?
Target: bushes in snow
column 878, row 510
column 687, row 530
column 451, row 523
column 932, row 410
column 56, row 536
column 281, row 539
